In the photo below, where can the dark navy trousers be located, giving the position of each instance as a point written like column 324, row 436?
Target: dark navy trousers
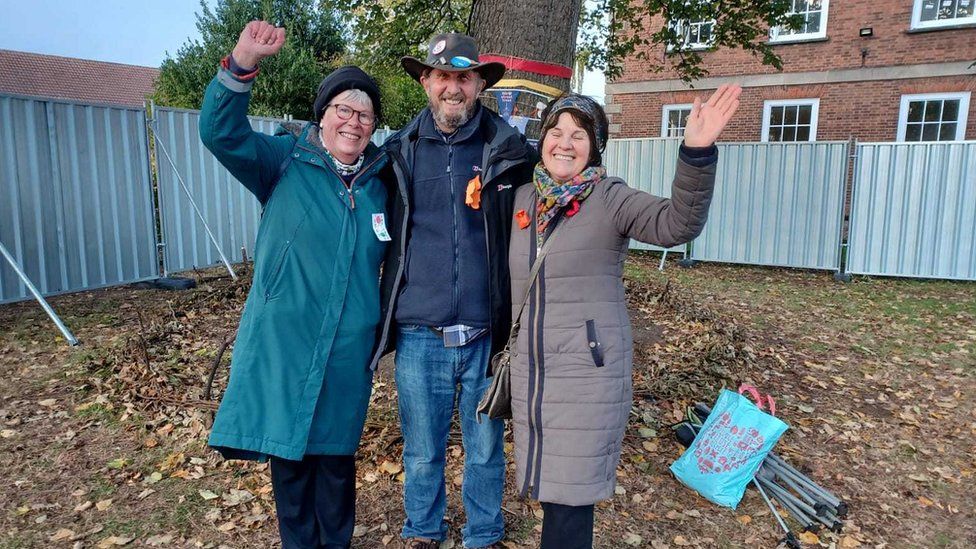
column 567, row 526
column 316, row 501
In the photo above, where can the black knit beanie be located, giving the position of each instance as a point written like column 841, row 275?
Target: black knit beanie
column 344, row 78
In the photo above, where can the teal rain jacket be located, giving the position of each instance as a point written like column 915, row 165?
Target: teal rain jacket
column 299, row 379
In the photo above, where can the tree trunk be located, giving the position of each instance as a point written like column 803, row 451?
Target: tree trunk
column 538, row 30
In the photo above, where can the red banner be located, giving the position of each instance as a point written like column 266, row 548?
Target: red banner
column 527, row 65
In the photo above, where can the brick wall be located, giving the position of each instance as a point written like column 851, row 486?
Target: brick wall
column 892, row 44
column 865, row 110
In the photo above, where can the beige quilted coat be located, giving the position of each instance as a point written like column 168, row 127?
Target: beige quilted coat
column 571, row 373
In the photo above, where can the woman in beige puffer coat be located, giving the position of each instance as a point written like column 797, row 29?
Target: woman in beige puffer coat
column 571, row 369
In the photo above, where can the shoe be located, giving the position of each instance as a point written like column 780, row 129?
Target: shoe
column 422, row 543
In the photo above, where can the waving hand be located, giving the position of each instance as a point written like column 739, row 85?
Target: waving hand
column 707, row 120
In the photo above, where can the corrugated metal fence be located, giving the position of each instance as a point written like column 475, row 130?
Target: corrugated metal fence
column 914, row 210
column 777, row 204
column 774, row 204
column 75, row 205
column 230, row 210
column 645, row 164
column 380, row 135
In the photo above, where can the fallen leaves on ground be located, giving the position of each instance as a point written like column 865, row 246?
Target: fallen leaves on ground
column 863, row 373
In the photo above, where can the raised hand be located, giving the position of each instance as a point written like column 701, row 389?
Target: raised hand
column 707, row 120
column 258, row 40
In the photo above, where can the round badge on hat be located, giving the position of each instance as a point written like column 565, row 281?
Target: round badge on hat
column 453, row 52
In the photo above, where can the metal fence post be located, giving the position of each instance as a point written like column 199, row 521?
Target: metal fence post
column 37, row 295
column 847, row 202
column 157, row 219
column 189, row 196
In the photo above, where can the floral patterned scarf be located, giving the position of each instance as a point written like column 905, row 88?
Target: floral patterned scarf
column 555, row 195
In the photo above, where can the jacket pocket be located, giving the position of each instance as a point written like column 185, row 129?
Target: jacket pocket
column 275, row 275
column 593, row 343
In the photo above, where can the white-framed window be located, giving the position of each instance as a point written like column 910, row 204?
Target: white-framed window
column 928, row 14
column 673, row 119
column 814, row 13
column 933, row 117
column 697, row 34
column 790, row 120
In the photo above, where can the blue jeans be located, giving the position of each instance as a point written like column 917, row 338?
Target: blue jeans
column 430, row 378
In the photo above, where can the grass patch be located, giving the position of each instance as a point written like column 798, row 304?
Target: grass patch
column 637, row 272
column 91, row 319
column 943, row 540
column 818, row 347
column 102, row 309
column 128, row 527
column 22, row 329
column 87, row 356
column 98, row 412
column 874, row 318
column 103, row 488
column 184, row 516
column 176, row 507
column 519, row 530
column 17, row 541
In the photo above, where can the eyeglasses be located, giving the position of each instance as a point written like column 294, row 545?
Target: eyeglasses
column 345, row 113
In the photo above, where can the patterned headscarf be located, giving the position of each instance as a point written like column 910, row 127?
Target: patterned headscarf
column 590, row 110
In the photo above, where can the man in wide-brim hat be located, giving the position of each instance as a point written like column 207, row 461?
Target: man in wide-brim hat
column 453, row 57
column 445, row 286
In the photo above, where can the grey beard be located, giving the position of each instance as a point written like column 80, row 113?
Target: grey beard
column 452, row 122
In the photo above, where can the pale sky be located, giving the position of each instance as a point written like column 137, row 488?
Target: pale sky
column 129, row 31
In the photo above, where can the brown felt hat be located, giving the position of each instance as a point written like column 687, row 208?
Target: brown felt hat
column 454, row 52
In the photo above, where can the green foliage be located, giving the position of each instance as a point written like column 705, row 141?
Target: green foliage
column 609, row 32
column 402, row 96
column 613, row 30
column 287, row 82
column 383, row 31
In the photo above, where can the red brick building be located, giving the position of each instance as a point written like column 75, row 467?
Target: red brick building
column 894, row 70
column 52, row 76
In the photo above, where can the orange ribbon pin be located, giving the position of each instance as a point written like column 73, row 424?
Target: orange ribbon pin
column 472, row 196
column 522, row 218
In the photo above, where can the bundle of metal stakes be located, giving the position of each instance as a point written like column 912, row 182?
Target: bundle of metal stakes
column 812, row 506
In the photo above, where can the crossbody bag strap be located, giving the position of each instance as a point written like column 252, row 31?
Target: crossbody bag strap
column 533, row 273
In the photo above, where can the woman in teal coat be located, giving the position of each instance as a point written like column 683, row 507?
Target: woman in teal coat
column 300, row 380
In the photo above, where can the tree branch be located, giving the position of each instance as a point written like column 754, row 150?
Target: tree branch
column 467, row 28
